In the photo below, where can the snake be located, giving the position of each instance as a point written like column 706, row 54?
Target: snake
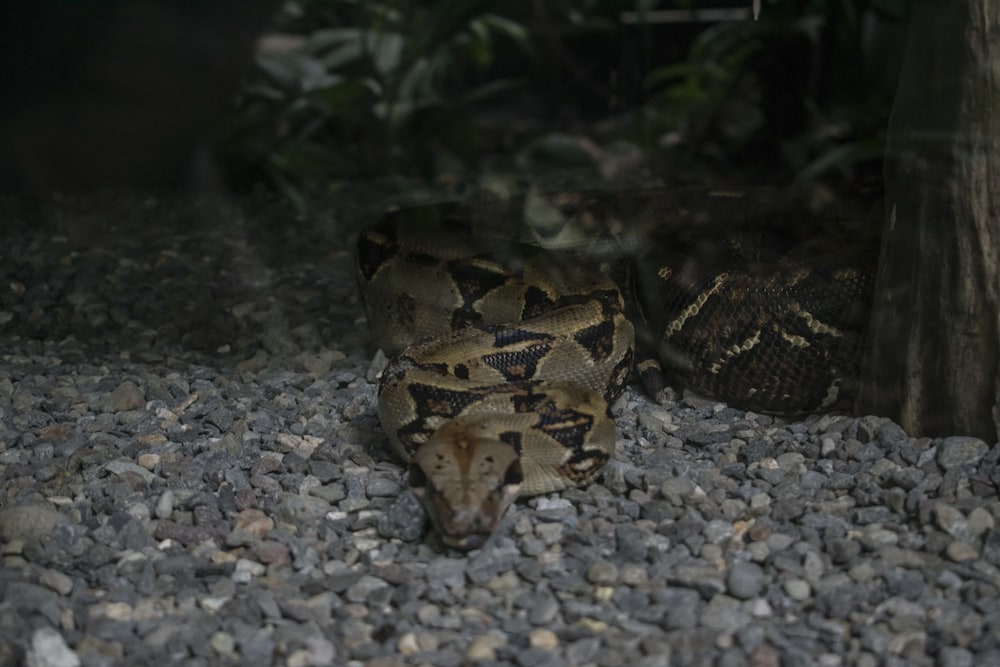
column 507, row 343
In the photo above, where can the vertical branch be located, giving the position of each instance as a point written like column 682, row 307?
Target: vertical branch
column 932, row 358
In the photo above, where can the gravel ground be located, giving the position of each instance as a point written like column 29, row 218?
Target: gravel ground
column 193, row 474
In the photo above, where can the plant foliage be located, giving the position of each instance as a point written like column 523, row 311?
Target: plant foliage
column 401, row 87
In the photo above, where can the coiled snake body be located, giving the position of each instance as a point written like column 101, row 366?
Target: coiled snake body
column 505, row 356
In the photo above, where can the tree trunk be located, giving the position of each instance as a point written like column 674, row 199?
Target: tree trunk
column 932, row 359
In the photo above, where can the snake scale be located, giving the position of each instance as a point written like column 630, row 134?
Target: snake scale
column 506, row 355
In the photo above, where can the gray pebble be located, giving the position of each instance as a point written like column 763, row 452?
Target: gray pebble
column 960, row 451
column 602, row 572
column 717, row 530
column 980, row 521
column 683, row 607
column 121, row 467
column 165, row 505
column 404, row 519
column 56, row 581
column 326, row 471
column 890, row 436
column 951, row 520
column 955, row 656
column 206, row 481
column 383, row 487
column 364, row 587
column 542, row 608
column 331, row 493
column 797, row 589
column 126, row 396
column 49, row 649
column 28, row 522
column 745, row 580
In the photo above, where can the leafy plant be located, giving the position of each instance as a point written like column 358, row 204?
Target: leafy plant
column 825, row 59
column 423, row 89
column 382, row 87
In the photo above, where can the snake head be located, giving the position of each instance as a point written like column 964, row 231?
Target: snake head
column 466, row 477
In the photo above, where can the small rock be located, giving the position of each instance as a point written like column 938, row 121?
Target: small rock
column 326, row 471
column 543, row 639
column 56, row 581
column 28, row 522
column 299, row 658
column 404, row 519
column 321, row 650
column 246, row 569
column 223, row 643
column 407, row 644
column 127, row 396
column 863, row 571
column 677, row 489
column 254, row 522
column 116, row 611
column 331, row 493
column 951, row 520
column 383, row 487
column 183, row 533
column 890, row 436
column 717, row 530
column 759, row 502
column 765, row 655
column 270, row 552
column 484, row 647
column 724, row 613
column 745, row 580
column 812, row 566
column 317, row 363
column 980, row 521
column 959, row 451
column 779, row 541
column 363, row 587
column 798, row 589
column 542, row 608
column 633, row 574
column 960, row 552
column 49, row 649
column 602, row 572
column 221, row 418
column 655, row 417
column 760, row 608
column 148, row 461
column 165, row 505
column 550, row 533
column 955, row 656
column 122, row 468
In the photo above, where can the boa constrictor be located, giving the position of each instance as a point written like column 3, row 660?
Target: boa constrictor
column 505, row 355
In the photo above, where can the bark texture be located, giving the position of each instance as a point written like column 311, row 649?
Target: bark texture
column 932, row 359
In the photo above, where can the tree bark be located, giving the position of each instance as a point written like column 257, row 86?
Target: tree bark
column 932, row 358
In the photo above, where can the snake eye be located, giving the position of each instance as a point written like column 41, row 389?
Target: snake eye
column 514, row 474
column 418, row 478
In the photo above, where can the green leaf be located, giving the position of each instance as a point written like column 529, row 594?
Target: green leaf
column 350, row 99
column 386, row 51
column 292, row 71
column 840, row 157
column 440, row 25
column 511, row 29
